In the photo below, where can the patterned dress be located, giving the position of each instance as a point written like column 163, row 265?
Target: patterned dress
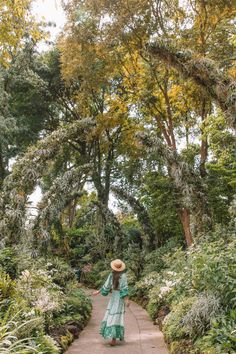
column 112, row 325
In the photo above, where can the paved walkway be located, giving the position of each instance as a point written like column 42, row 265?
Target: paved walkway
column 141, row 336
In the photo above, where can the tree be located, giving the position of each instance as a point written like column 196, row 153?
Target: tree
column 18, row 29
column 204, row 72
column 153, row 91
column 139, row 108
column 17, row 24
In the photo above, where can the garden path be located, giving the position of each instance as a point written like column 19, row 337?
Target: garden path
column 141, row 336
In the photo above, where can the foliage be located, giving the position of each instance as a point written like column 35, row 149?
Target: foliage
column 38, row 307
column 221, row 337
column 71, row 318
column 47, row 345
column 173, row 323
column 22, row 332
column 60, row 272
column 8, row 261
column 78, row 304
column 214, row 271
column 142, row 287
column 199, row 318
column 7, row 285
column 155, row 261
column 192, row 291
column 18, row 23
column 134, row 258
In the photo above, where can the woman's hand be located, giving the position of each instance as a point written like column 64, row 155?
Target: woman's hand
column 96, row 292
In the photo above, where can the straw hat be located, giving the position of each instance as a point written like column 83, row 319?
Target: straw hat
column 118, row 265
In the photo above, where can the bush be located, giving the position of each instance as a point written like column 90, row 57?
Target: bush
column 8, row 261
column 7, row 285
column 143, row 287
column 156, row 261
column 198, row 319
column 79, row 303
column 71, row 318
column 47, row 345
column 66, row 340
column 42, row 304
column 181, row 346
column 207, row 268
column 221, row 336
column 134, row 259
column 95, row 275
column 173, row 327
column 167, row 291
column 37, row 288
column 21, row 332
column 60, row 272
column 213, row 270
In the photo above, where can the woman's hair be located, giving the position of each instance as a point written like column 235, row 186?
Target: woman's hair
column 115, row 280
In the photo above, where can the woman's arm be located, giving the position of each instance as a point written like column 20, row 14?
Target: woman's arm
column 96, row 292
column 105, row 289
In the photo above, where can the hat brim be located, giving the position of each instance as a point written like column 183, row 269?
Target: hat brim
column 118, row 269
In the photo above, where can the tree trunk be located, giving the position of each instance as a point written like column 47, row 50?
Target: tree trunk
column 71, row 212
column 185, row 220
column 2, row 168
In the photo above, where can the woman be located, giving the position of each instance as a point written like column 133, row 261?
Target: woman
column 112, row 325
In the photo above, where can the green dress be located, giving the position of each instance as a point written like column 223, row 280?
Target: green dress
column 112, row 325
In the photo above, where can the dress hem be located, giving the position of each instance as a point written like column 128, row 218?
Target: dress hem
column 115, row 331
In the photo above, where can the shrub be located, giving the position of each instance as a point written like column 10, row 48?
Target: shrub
column 79, row 303
column 44, row 296
column 144, row 285
column 134, row 259
column 60, row 272
column 38, row 289
column 95, row 275
column 156, row 261
column 181, row 346
column 165, row 292
column 71, row 318
column 198, row 319
column 28, row 320
column 176, row 260
column 7, row 285
column 8, row 261
column 17, row 335
column 213, row 270
column 221, row 336
column 173, row 327
column 66, row 340
column 47, row 345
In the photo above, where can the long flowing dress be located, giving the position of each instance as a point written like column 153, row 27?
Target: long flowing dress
column 112, row 325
